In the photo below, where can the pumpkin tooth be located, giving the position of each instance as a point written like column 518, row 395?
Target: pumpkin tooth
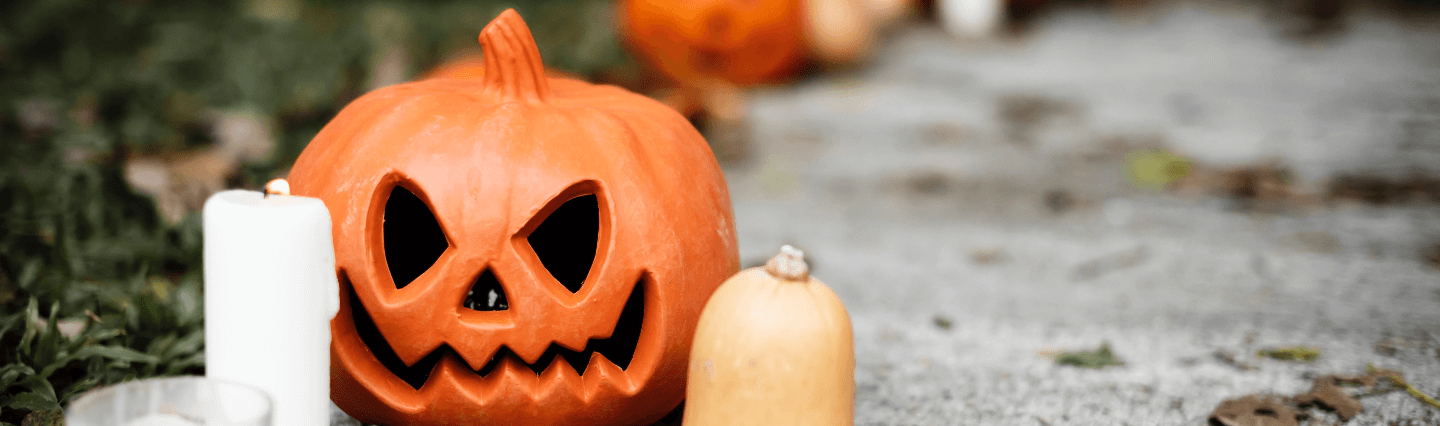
column 484, row 362
column 580, row 346
column 508, row 378
column 512, row 371
column 602, row 372
column 416, row 355
column 529, row 356
column 454, row 374
column 560, row 380
column 500, row 355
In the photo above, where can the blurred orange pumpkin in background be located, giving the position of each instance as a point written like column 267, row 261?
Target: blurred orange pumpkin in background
column 693, row 42
column 748, row 42
column 709, row 49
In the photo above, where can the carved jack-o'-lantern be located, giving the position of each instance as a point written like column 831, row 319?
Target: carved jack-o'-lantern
column 516, row 249
column 697, row 41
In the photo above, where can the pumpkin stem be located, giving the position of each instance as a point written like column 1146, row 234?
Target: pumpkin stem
column 514, row 70
column 789, row 265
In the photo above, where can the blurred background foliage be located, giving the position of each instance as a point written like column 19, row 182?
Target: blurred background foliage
column 97, row 283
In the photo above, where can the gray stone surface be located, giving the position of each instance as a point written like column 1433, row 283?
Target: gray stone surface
column 918, row 185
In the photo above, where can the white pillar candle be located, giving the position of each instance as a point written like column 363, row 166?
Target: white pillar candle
column 270, row 292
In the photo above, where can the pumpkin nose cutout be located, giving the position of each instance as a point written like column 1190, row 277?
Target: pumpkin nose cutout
column 566, row 241
column 413, row 238
column 486, row 294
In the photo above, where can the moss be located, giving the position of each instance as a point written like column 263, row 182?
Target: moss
column 1099, row 358
column 1292, row 353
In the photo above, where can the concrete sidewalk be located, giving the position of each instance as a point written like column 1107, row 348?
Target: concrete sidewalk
column 984, row 184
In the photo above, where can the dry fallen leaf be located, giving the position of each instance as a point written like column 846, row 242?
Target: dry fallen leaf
column 1252, row 410
column 1326, row 394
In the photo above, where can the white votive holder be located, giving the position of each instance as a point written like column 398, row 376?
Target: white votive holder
column 172, row 401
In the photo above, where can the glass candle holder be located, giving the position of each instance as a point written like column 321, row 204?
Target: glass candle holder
column 172, row 401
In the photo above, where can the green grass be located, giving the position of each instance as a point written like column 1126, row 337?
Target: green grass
column 84, row 85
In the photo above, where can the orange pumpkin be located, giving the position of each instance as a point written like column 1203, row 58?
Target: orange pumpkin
column 742, row 42
column 514, row 248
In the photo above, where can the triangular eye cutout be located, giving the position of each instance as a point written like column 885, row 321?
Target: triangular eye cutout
column 413, row 238
column 486, row 294
column 565, row 242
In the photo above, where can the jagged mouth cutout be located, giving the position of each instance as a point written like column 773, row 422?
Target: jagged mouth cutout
column 618, row 349
column 564, row 238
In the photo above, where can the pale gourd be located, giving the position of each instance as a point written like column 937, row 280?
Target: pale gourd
column 840, row 32
column 773, row 347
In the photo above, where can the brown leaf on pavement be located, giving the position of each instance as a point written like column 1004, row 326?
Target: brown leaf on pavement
column 1253, row 410
column 1326, row 394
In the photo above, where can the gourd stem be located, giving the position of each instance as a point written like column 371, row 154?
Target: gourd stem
column 513, row 70
column 789, row 265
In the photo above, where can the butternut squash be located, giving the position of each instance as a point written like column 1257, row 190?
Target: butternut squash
column 773, row 347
